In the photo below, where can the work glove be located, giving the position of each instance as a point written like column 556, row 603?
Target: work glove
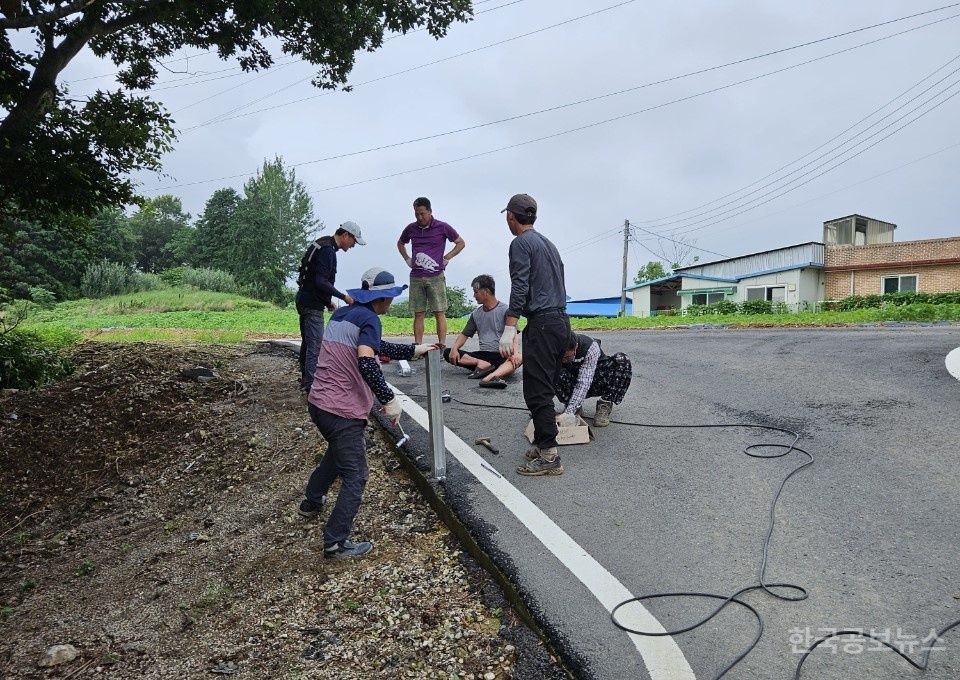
column 567, row 419
column 506, row 341
column 420, row 350
column 392, row 409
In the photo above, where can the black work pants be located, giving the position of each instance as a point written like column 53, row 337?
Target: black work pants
column 345, row 458
column 544, row 339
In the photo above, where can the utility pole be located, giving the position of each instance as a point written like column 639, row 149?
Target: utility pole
column 623, row 285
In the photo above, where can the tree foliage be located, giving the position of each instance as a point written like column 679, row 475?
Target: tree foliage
column 457, row 305
column 163, row 233
column 650, row 271
column 53, row 255
column 271, row 229
column 58, row 154
column 214, row 230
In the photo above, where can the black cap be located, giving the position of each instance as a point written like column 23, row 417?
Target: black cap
column 521, row 204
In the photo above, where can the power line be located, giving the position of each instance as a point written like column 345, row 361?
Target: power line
column 595, row 238
column 225, row 116
column 260, row 75
column 673, row 240
column 620, row 117
column 168, row 61
column 689, row 221
column 665, row 221
column 233, row 68
column 837, row 165
column 575, row 103
column 631, row 89
column 919, row 159
column 232, row 72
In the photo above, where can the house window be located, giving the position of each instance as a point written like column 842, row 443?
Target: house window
column 706, row 298
column 769, row 293
column 902, row 283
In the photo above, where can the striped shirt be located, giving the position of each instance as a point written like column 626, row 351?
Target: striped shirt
column 338, row 387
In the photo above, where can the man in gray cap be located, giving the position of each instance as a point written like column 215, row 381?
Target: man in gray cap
column 538, row 293
column 317, row 274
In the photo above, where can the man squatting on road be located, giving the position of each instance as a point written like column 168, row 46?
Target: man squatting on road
column 428, row 285
column 487, row 321
column 317, row 274
column 588, row 372
column 538, row 293
column 347, row 378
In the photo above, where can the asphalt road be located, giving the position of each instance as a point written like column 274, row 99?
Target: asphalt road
column 870, row 530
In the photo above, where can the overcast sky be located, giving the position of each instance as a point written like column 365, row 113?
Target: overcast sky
column 643, row 167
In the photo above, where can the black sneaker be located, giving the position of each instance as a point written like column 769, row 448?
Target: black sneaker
column 339, row 551
column 309, row 509
column 479, row 373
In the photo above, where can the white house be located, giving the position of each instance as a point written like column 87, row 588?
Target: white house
column 792, row 275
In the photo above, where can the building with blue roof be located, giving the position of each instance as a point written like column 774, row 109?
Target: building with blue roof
column 792, row 275
column 608, row 306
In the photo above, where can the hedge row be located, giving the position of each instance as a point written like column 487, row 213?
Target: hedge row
column 898, row 299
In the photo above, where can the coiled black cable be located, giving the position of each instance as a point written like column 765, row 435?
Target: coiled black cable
column 788, row 592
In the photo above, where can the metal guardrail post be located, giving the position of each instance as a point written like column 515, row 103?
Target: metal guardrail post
column 435, row 411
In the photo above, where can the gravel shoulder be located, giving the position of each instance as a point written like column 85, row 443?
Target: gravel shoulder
column 148, row 519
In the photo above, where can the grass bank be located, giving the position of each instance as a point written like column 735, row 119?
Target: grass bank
column 184, row 313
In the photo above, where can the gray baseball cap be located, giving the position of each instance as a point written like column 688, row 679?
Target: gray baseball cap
column 354, row 228
column 521, row 204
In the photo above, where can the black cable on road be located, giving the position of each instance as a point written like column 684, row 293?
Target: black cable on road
column 785, row 592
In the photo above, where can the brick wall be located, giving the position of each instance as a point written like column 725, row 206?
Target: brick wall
column 936, row 262
column 930, row 279
column 882, row 253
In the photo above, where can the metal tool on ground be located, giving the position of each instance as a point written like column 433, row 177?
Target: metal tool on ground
column 405, row 438
column 487, row 467
column 487, row 443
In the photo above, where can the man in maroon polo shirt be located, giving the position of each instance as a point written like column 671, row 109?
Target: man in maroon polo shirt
column 427, row 262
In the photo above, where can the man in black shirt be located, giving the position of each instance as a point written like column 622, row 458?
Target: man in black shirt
column 318, row 272
column 537, row 293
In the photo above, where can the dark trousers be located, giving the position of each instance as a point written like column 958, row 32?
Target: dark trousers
column 492, row 358
column 345, row 458
column 544, row 340
column 311, row 335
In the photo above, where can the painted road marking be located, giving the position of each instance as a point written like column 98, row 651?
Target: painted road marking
column 953, row 363
column 661, row 655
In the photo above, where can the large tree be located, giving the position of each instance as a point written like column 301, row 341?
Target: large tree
column 163, row 233
column 215, row 230
column 271, row 228
column 58, row 154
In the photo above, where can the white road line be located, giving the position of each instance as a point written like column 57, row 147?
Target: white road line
column 953, row 363
column 663, row 658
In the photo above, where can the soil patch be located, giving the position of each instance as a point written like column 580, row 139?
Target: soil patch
column 148, row 518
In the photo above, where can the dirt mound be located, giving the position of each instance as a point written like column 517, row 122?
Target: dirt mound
column 147, row 517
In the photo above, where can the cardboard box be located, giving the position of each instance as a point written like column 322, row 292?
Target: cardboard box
column 577, row 434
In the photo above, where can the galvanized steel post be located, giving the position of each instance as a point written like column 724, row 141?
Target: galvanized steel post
column 435, row 411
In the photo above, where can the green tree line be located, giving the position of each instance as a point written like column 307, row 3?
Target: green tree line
column 258, row 237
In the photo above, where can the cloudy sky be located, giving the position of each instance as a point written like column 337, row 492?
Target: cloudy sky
column 678, row 169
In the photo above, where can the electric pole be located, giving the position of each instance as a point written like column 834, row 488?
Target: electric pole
column 623, row 285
